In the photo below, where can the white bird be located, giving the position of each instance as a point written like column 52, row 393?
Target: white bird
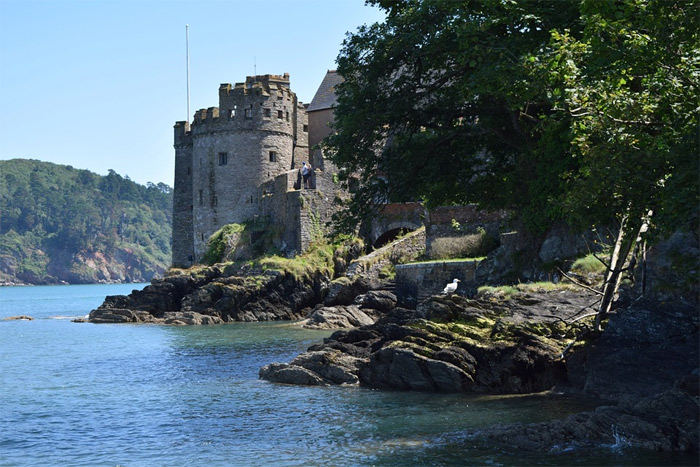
column 451, row 287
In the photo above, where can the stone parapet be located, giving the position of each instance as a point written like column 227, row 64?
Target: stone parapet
column 417, row 281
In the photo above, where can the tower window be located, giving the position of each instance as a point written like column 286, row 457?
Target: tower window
column 248, row 113
column 287, row 116
column 232, row 112
column 214, row 200
column 268, row 113
column 201, row 196
column 273, row 156
column 223, row 158
column 306, row 128
column 280, row 114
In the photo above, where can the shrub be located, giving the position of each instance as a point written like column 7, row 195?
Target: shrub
column 588, row 265
column 465, row 246
column 222, row 242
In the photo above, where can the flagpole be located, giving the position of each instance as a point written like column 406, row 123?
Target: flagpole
column 187, row 47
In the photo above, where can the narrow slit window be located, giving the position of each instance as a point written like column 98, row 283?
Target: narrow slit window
column 280, row 114
column 201, row 196
column 268, row 113
column 248, row 113
column 223, row 158
column 232, row 112
column 273, row 156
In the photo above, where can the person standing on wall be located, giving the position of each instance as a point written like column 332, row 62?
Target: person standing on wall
column 305, row 172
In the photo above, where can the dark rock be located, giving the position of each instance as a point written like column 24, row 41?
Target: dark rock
column 343, row 291
column 671, row 273
column 289, row 374
column 271, row 295
column 337, row 317
column 121, row 315
column 561, row 244
column 18, row 318
column 405, row 352
column 643, row 350
column 404, row 369
column 189, row 318
column 438, row 308
column 664, row 422
column 380, row 300
column 315, row 368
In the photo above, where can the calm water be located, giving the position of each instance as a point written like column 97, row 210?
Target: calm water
column 143, row 395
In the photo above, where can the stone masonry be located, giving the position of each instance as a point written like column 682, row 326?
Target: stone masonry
column 227, row 160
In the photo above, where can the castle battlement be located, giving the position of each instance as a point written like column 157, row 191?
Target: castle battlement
column 182, row 135
column 230, row 152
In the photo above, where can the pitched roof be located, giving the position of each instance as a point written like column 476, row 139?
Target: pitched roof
column 325, row 95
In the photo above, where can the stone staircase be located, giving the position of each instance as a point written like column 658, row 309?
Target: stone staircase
column 389, row 286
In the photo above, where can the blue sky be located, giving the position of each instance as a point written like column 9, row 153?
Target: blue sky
column 98, row 84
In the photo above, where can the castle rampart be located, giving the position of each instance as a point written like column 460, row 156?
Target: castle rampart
column 229, row 154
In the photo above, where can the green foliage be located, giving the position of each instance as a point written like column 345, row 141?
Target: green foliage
column 589, row 264
column 575, row 110
column 245, row 241
column 628, row 87
column 51, row 214
column 463, row 246
column 319, row 257
column 447, row 83
column 222, row 240
column 529, row 287
column 388, row 272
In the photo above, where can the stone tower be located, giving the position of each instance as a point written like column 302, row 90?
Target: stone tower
column 224, row 158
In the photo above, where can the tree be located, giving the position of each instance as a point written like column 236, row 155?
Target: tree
column 630, row 86
column 580, row 111
column 447, row 84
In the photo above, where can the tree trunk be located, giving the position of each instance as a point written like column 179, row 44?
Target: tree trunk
column 630, row 229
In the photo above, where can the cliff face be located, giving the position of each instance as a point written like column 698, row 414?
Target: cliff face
column 63, row 225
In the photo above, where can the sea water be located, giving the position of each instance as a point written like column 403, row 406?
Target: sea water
column 151, row 395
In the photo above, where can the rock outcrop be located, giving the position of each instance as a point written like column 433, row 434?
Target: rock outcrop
column 645, row 348
column 214, row 294
column 666, row 421
column 449, row 344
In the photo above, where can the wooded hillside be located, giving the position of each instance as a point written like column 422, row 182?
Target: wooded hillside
column 60, row 224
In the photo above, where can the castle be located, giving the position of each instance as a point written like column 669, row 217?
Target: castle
column 239, row 162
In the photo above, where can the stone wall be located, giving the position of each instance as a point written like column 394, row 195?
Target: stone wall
column 394, row 217
column 441, row 223
column 417, row 281
column 233, row 154
column 183, row 242
column 407, row 248
column 316, row 209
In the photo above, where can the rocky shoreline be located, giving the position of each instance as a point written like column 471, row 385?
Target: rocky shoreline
column 644, row 366
column 647, row 375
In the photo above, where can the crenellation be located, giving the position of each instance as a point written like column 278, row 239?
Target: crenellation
column 240, row 161
column 237, row 162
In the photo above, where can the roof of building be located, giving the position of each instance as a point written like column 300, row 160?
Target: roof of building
column 325, row 95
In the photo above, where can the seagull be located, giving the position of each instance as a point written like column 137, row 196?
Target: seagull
column 451, row 287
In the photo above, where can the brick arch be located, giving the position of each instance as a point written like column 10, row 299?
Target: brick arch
column 394, row 219
column 392, row 234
